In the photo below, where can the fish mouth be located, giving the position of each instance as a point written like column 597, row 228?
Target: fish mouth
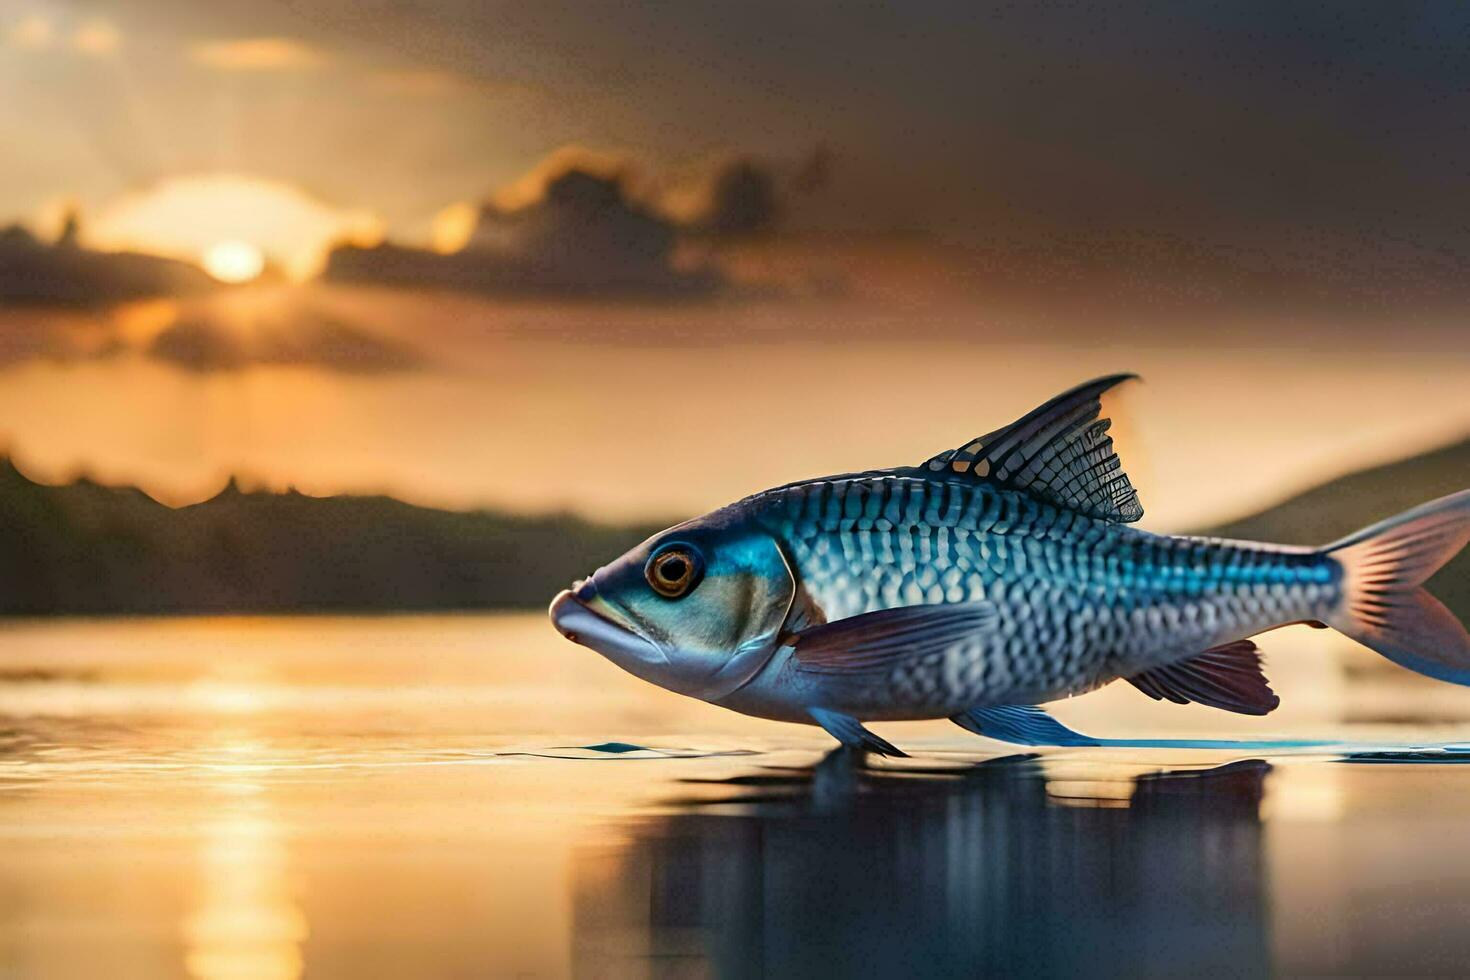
column 575, row 619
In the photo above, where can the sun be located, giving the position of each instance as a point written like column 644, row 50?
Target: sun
column 231, row 224
column 233, row 261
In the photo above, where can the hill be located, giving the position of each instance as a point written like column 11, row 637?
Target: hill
column 90, row 549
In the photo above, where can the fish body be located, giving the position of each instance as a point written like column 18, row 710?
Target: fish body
column 992, row 578
column 1078, row 601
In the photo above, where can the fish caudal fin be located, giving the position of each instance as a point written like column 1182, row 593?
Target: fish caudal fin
column 1383, row 606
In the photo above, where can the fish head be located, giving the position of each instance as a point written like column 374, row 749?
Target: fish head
column 696, row 609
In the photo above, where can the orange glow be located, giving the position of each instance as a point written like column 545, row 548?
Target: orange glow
column 139, row 322
column 257, row 54
column 453, row 227
column 246, row 923
column 96, row 37
column 189, row 217
column 233, row 261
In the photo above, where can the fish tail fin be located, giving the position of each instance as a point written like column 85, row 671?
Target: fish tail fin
column 1382, row 605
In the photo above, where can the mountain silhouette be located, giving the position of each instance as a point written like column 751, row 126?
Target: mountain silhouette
column 89, row 549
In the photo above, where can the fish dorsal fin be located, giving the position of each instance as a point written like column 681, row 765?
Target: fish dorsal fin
column 1060, row 453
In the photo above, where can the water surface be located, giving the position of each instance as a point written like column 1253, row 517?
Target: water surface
column 465, row 796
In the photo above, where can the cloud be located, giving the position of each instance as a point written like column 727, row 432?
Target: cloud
column 257, row 54
column 206, row 342
column 583, row 222
column 81, row 304
column 738, row 198
column 224, row 331
column 33, row 271
column 530, row 187
column 579, row 233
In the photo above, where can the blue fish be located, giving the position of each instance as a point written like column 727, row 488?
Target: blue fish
column 990, row 579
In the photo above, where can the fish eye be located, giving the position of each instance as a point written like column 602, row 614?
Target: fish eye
column 674, row 572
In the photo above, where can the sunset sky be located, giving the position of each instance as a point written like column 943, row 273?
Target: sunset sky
column 845, row 235
column 1237, row 123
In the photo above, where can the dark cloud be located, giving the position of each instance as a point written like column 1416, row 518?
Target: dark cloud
column 740, row 199
column 64, row 273
column 206, row 343
column 583, row 236
column 222, row 332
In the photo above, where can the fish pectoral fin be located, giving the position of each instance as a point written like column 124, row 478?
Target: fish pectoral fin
column 1022, row 724
column 877, row 640
column 851, row 733
column 1228, row 677
column 1060, row 453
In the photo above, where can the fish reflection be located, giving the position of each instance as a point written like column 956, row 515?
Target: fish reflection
column 844, row 871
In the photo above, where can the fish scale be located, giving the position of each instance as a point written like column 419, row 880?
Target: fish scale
column 1080, row 600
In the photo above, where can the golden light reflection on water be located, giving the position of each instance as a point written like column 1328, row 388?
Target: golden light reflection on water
column 225, row 799
column 246, row 924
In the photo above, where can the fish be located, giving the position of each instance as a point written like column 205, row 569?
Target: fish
column 989, row 580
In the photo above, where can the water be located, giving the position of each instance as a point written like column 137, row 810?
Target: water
column 471, row 796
